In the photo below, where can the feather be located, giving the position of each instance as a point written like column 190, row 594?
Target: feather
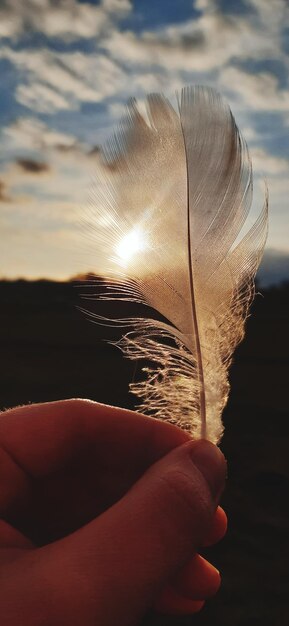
column 169, row 211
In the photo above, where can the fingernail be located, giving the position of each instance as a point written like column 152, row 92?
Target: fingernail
column 211, row 462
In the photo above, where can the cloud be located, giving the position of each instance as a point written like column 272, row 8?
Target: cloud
column 53, row 80
column 249, row 133
column 31, row 140
column 28, row 133
column 50, row 81
column 33, row 167
column 274, row 13
column 46, row 167
column 268, row 164
column 41, row 98
column 258, row 91
column 65, row 19
column 200, row 44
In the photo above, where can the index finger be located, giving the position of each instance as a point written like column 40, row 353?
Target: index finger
column 42, row 438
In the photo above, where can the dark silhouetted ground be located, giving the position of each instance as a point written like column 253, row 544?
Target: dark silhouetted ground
column 50, row 351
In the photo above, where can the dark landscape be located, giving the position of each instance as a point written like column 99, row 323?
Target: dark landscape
column 49, row 350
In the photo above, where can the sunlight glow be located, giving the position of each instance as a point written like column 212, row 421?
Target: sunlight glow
column 130, row 244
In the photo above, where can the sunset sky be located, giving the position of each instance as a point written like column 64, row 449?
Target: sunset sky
column 68, row 68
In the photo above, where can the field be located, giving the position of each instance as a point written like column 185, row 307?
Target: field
column 50, row 351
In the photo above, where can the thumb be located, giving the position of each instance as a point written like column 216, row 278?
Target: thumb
column 127, row 554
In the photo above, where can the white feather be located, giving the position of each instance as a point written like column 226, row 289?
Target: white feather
column 172, row 197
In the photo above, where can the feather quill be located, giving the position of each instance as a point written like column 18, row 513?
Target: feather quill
column 173, row 195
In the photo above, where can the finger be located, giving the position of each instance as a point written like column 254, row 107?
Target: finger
column 63, row 437
column 218, row 528
column 144, row 539
column 172, row 603
column 42, row 437
column 198, row 579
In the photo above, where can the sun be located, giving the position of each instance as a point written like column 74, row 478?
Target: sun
column 130, row 244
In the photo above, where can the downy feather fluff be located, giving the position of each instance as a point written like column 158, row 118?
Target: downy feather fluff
column 174, row 192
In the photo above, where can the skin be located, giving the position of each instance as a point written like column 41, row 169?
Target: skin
column 102, row 513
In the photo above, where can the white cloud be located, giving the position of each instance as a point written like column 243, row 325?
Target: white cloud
column 275, row 13
column 66, row 19
column 41, row 98
column 258, row 91
column 50, row 81
column 118, row 7
column 117, row 109
column 63, row 80
column 28, row 133
column 62, row 180
column 200, row 44
column 249, row 133
column 266, row 164
column 149, row 81
column 205, row 5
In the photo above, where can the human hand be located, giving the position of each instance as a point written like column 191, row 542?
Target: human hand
column 102, row 511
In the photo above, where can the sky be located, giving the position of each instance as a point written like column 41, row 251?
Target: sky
column 67, row 70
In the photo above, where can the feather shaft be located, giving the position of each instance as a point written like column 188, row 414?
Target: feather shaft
column 202, row 392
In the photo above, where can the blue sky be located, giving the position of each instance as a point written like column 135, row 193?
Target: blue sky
column 67, row 69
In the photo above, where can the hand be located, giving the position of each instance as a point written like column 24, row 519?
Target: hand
column 102, row 511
